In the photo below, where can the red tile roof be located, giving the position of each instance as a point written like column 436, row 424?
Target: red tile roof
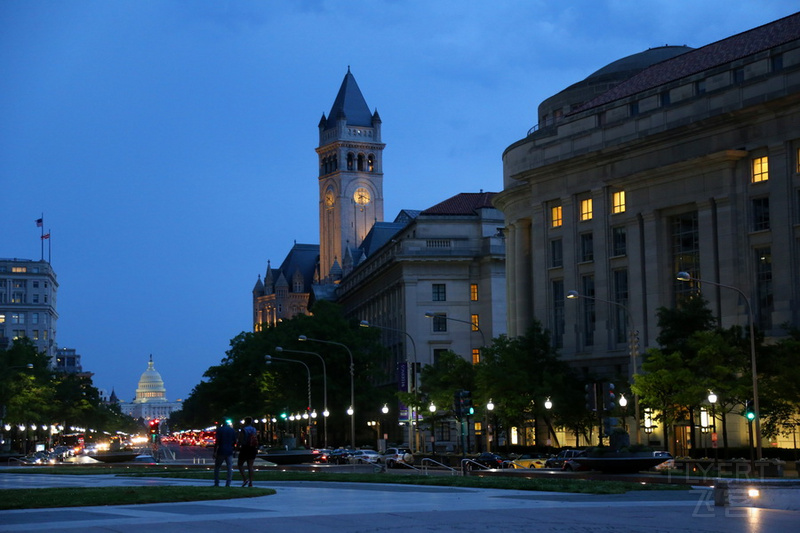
column 465, row 203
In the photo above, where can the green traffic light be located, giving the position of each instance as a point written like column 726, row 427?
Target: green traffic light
column 283, row 415
column 751, row 415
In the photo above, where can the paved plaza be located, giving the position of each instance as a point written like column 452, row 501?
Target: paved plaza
column 389, row 508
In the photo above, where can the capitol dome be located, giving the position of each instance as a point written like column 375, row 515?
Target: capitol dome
column 151, row 386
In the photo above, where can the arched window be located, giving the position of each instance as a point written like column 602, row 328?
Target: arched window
column 334, row 163
column 371, row 162
column 350, row 160
column 361, row 162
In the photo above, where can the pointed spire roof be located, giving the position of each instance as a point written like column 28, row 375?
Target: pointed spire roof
column 350, row 104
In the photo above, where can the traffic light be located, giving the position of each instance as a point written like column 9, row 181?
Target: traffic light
column 609, row 398
column 468, row 409
column 457, row 405
column 154, row 426
column 591, row 396
column 749, row 410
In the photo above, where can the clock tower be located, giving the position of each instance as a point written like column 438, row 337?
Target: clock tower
column 350, row 155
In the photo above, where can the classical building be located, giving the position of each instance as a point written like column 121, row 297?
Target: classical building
column 151, row 397
column 28, row 303
column 673, row 159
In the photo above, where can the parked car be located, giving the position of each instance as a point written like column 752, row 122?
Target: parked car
column 396, row 456
column 339, row 456
column 530, row 460
column 489, row 460
column 563, row 456
column 364, row 456
column 571, row 465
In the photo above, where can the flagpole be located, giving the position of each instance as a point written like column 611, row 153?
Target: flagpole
column 42, row 236
column 49, row 247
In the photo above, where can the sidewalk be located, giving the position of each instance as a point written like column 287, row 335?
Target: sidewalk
column 359, row 507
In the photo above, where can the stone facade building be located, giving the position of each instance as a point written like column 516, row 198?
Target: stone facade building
column 674, row 159
column 151, row 401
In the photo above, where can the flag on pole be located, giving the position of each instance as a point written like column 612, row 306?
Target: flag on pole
column 39, row 222
column 46, row 236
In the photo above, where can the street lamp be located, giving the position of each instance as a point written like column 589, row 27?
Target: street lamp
column 477, row 328
column 270, row 358
column 574, row 295
column 685, row 276
column 489, row 409
column 712, row 399
column 325, row 411
column 410, row 376
column 352, row 386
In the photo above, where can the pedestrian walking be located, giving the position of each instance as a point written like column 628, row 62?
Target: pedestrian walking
column 248, row 449
column 224, row 442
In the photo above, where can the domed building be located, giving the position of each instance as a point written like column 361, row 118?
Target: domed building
column 151, row 397
column 674, row 159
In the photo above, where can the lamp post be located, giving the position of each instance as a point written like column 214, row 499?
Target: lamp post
column 350, row 411
column 712, row 399
column 325, row 411
column 410, row 376
column 305, row 416
column 432, row 409
column 685, row 276
column 573, row 295
column 477, row 328
column 489, row 409
column 623, row 402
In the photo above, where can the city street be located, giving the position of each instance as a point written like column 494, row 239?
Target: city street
column 357, row 507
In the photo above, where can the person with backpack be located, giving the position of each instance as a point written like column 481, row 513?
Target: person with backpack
column 248, row 449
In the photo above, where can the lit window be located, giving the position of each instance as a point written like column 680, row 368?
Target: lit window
column 555, row 216
column 760, row 169
column 475, row 323
column 473, row 292
column 19, row 269
column 476, row 356
column 586, row 209
column 618, row 202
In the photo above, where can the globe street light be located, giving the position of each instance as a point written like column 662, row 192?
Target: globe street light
column 409, row 375
column 685, row 276
column 489, row 409
column 712, row 399
column 325, row 411
column 352, row 385
column 633, row 348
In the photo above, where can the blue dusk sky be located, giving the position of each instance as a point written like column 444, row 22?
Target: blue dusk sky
column 170, row 144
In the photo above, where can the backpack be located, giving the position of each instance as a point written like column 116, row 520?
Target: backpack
column 249, row 439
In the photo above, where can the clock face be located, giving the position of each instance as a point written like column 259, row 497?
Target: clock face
column 361, row 196
column 329, row 198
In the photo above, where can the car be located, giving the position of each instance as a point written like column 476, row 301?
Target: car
column 562, row 457
column 571, row 465
column 489, row 460
column 322, row 455
column 396, row 456
column 529, row 460
column 364, row 456
column 339, row 456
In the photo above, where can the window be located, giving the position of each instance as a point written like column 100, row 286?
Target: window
column 556, row 253
column 555, row 216
column 371, row 163
column 797, row 162
column 760, row 214
column 760, row 169
column 36, row 334
column 586, row 209
column 634, row 108
column 587, row 289
column 17, row 318
column 619, row 243
column 777, row 62
column 700, row 87
column 474, row 320
column 618, row 202
column 439, row 292
column 19, row 269
column 685, row 244
column 440, row 322
column 558, row 312
column 473, row 292
column 738, row 75
column 16, row 297
column 36, row 298
column 476, row 356
column 621, row 298
column 36, row 284
column 764, row 287
column 587, row 247
column 2, row 319
column 665, row 99
column 34, row 318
